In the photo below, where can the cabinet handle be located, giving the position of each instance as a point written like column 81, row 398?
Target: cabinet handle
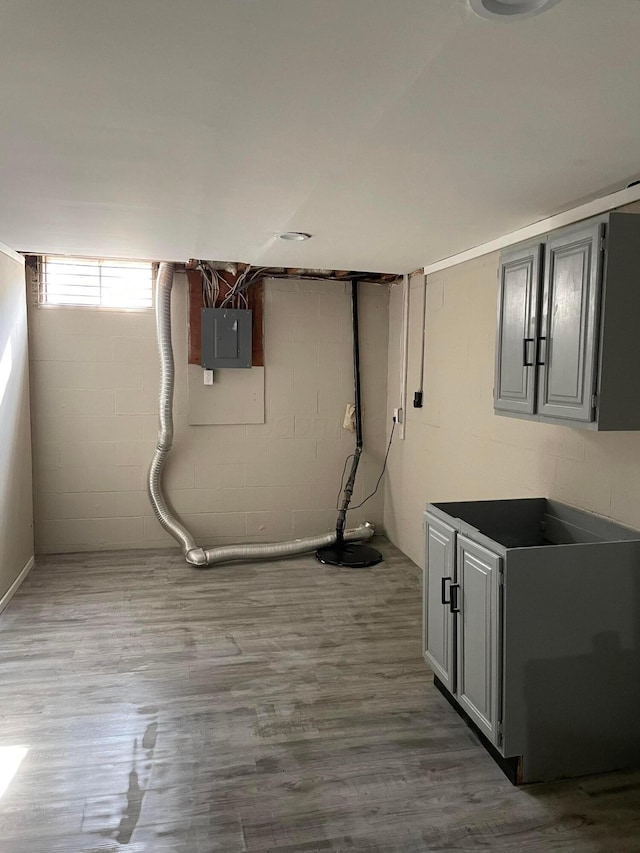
column 541, row 357
column 454, row 605
column 525, row 352
column 443, row 591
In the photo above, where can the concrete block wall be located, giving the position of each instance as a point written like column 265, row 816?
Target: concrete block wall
column 456, row 448
column 94, row 398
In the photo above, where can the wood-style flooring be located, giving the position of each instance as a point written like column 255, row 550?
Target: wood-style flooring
column 279, row 707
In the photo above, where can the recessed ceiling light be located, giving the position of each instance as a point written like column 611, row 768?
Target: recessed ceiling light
column 294, row 236
column 505, row 10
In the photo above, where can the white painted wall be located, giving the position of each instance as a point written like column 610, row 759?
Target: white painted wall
column 16, row 509
column 94, row 393
column 457, row 449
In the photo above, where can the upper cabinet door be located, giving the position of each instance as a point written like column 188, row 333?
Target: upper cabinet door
column 568, row 344
column 519, row 276
column 437, row 626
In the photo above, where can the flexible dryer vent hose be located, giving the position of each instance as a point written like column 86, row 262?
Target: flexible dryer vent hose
column 195, row 555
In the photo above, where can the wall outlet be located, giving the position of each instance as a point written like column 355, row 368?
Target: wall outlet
column 397, row 414
column 207, row 376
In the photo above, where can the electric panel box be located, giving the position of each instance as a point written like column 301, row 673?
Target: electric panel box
column 226, row 338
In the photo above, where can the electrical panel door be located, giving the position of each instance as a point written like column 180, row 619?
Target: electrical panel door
column 226, row 338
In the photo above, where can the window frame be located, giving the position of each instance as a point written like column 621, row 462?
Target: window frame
column 38, row 284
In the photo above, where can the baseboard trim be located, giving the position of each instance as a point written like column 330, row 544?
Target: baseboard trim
column 15, row 586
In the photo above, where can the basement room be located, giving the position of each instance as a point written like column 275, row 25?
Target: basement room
column 319, row 426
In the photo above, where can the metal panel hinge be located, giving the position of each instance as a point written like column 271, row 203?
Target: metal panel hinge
column 594, row 401
column 603, row 243
column 500, row 733
column 501, row 575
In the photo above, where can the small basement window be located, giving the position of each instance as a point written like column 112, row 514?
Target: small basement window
column 94, row 282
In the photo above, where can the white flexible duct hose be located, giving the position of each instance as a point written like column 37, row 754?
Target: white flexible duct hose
column 195, row 555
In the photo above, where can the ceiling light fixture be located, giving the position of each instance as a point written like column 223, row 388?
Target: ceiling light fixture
column 505, row 10
column 294, row 236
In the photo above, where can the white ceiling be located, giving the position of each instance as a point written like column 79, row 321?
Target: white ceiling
column 397, row 132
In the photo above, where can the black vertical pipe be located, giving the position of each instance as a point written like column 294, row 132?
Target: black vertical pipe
column 348, row 489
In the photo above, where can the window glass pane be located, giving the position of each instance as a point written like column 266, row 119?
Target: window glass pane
column 82, row 281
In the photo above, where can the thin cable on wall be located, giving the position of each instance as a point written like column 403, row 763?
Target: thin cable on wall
column 418, row 395
column 237, row 294
column 384, row 468
column 210, row 284
column 213, row 285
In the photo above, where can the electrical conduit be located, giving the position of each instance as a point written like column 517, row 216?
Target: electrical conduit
column 193, row 554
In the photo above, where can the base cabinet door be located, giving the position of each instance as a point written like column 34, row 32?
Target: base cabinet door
column 476, row 600
column 437, row 631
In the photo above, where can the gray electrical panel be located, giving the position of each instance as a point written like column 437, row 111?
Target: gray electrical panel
column 226, row 338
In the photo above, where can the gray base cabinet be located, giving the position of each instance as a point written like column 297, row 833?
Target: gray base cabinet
column 531, row 623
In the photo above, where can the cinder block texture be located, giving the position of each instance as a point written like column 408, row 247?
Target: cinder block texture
column 457, row 449
column 94, row 397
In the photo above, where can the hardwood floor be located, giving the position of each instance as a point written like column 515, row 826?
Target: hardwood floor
column 277, row 707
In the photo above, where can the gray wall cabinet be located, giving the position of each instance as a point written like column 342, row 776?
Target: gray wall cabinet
column 567, row 326
column 531, row 625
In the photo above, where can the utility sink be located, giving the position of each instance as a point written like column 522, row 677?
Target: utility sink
column 532, row 630
column 535, row 522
